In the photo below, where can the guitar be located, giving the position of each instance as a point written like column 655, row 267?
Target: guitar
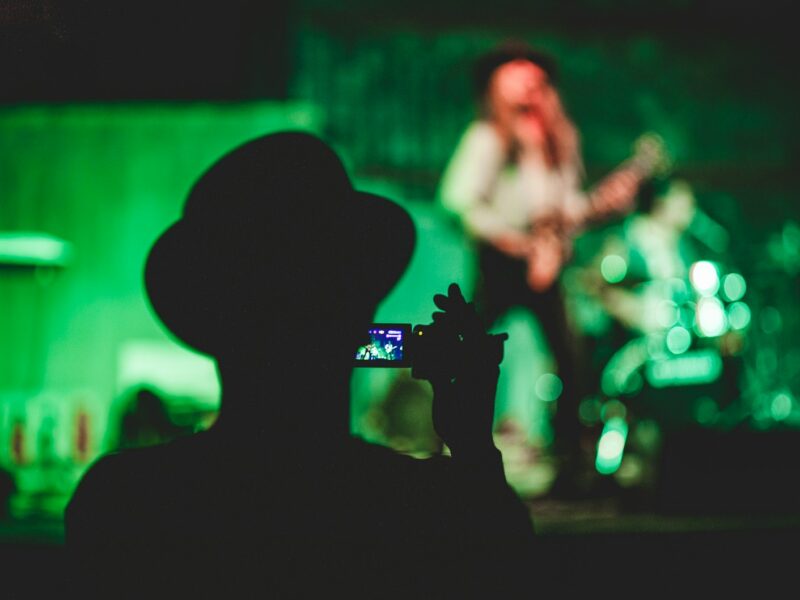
column 551, row 237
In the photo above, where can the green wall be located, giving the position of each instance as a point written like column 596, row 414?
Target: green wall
column 107, row 179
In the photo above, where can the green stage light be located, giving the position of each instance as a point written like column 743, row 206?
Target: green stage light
column 781, row 406
column 733, row 287
column 32, row 249
column 691, row 368
column 739, row 315
column 549, row 387
column 613, row 268
column 704, row 277
column 706, row 411
column 611, row 446
column 678, row 340
column 711, row 318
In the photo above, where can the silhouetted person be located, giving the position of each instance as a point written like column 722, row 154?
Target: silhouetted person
column 146, row 421
column 515, row 182
column 277, row 499
column 8, row 487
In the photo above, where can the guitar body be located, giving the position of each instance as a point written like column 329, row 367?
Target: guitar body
column 548, row 254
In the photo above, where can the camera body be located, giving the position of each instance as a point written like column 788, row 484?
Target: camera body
column 420, row 347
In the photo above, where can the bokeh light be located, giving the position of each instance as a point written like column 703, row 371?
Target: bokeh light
column 611, row 445
column 33, row 248
column 733, row 287
column 711, row 319
column 704, row 277
column 655, row 345
column 781, row 406
column 613, row 268
column 739, row 315
column 668, row 313
column 706, row 411
column 678, row 340
column 549, row 387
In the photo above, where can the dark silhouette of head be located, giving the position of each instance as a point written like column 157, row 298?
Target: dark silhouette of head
column 275, row 269
column 272, row 272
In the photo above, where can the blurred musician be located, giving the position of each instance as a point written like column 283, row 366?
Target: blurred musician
column 514, row 181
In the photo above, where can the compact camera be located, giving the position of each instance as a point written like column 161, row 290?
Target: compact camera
column 419, row 347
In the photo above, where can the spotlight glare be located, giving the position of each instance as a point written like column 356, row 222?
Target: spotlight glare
column 704, row 278
column 611, row 446
column 711, row 319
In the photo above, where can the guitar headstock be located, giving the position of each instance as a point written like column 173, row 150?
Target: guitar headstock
column 650, row 154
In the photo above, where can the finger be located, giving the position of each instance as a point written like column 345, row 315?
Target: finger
column 451, row 301
column 445, row 305
column 454, row 291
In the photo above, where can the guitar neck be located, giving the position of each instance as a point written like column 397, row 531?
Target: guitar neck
column 636, row 169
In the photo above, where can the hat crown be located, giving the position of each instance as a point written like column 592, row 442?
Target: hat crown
column 276, row 177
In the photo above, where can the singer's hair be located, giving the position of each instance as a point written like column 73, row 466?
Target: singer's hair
column 562, row 142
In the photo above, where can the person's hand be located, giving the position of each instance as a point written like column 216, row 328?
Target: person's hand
column 465, row 380
column 545, row 261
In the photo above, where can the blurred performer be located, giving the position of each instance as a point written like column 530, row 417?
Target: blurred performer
column 647, row 259
column 514, row 181
column 651, row 293
column 656, row 252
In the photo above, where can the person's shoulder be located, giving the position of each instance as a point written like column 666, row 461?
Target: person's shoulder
column 386, row 460
column 479, row 147
column 134, row 462
column 360, row 445
column 122, row 476
column 106, row 478
column 480, row 131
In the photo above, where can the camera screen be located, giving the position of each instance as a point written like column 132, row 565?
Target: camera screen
column 386, row 347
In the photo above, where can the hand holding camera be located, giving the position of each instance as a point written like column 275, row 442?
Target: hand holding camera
column 458, row 357
column 463, row 368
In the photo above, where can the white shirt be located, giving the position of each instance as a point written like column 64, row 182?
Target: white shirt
column 493, row 196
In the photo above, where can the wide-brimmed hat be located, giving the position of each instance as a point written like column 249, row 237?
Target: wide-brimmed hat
column 271, row 231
